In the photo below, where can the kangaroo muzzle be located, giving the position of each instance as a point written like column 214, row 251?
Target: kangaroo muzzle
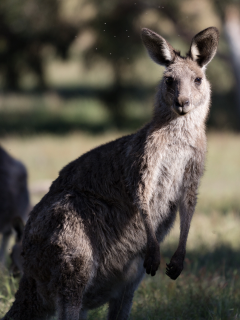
column 182, row 106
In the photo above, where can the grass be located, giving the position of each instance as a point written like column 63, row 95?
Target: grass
column 209, row 287
column 220, row 184
column 8, row 286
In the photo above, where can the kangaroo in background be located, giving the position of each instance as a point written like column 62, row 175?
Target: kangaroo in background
column 16, row 257
column 91, row 237
column 14, row 197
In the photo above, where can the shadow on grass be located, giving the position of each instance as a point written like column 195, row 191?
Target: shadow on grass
column 223, row 113
column 29, row 123
column 208, row 288
column 222, row 257
column 43, row 117
column 63, row 110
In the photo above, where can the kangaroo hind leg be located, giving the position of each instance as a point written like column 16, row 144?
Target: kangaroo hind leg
column 5, row 241
column 29, row 305
column 69, row 309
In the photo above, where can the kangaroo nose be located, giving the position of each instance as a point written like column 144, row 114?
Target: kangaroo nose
column 182, row 102
column 181, row 105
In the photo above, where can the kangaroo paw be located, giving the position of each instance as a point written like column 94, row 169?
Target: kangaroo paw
column 152, row 260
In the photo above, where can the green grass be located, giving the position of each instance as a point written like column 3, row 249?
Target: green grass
column 8, row 286
column 209, row 287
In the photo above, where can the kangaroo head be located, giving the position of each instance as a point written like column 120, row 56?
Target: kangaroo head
column 184, row 86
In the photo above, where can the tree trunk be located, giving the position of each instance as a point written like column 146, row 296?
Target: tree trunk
column 232, row 31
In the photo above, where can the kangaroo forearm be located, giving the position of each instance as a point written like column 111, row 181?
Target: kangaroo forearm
column 152, row 257
column 186, row 210
column 184, row 231
column 151, row 236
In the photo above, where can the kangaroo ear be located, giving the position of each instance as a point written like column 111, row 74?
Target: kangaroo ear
column 204, row 46
column 158, row 48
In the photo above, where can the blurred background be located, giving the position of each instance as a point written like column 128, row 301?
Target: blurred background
column 80, row 65
column 74, row 74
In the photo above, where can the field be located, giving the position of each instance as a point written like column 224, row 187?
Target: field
column 209, row 287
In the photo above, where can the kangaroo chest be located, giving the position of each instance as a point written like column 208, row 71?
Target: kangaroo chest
column 168, row 177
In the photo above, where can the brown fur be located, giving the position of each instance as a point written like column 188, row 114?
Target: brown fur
column 14, row 197
column 85, row 242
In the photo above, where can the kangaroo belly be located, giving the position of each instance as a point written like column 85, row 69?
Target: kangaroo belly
column 168, row 190
column 107, row 285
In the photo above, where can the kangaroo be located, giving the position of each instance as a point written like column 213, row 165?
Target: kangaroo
column 16, row 257
column 14, row 197
column 91, row 237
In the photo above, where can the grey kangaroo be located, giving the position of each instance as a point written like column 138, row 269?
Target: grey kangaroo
column 91, row 237
column 16, row 254
column 14, row 197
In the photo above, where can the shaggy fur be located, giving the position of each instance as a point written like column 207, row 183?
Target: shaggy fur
column 14, row 197
column 85, row 242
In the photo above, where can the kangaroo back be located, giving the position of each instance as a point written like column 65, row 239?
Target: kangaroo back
column 14, row 196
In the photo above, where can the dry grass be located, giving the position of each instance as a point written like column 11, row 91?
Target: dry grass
column 45, row 155
column 220, row 184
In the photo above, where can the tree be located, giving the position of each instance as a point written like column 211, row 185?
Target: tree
column 26, row 28
column 117, row 41
column 229, row 11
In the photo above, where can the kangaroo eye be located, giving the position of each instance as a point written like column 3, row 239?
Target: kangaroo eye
column 198, row 80
column 169, row 80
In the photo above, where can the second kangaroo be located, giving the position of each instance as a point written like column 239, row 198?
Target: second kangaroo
column 91, row 237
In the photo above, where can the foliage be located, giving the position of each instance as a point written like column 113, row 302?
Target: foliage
column 27, row 27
